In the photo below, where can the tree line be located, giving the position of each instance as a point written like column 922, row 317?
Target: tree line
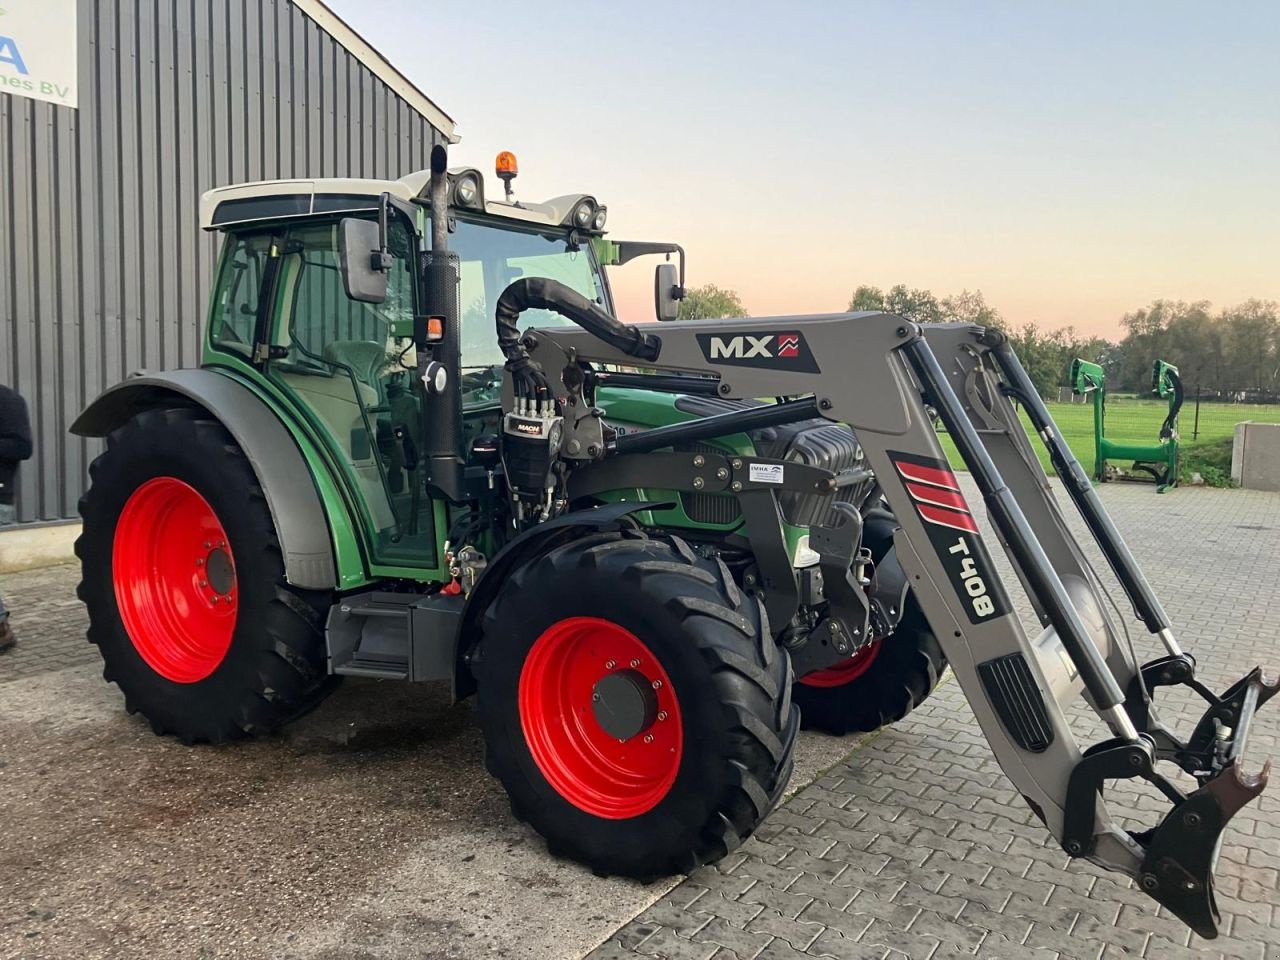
column 1231, row 353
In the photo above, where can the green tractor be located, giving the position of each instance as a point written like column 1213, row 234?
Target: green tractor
column 421, row 446
column 1159, row 460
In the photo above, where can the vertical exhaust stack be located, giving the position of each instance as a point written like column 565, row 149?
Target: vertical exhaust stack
column 440, row 299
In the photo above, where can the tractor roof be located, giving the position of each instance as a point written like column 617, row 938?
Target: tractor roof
column 267, row 200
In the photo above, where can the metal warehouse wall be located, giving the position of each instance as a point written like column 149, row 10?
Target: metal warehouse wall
column 103, row 268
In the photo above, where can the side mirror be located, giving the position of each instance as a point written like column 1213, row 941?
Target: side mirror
column 364, row 265
column 666, row 292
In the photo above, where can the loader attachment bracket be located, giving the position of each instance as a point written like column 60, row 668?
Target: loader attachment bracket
column 1181, row 853
column 1202, row 754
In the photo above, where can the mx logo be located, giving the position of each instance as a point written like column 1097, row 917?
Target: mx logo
column 779, row 351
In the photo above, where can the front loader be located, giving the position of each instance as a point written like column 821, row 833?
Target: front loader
column 647, row 576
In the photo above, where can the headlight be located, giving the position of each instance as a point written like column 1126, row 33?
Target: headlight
column 466, row 191
column 598, row 222
column 582, row 213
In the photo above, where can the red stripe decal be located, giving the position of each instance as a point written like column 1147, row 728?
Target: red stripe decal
column 930, row 475
column 944, row 517
column 938, row 497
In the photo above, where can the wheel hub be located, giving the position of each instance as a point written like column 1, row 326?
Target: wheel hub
column 601, row 718
column 221, row 573
column 624, row 704
column 174, row 579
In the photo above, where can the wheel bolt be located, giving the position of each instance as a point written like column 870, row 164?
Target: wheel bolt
column 204, row 583
column 200, row 562
column 635, row 663
column 648, row 738
column 657, row 684
column 595, row 698
column 662, row 714
column 609, row 664
column 208, row 545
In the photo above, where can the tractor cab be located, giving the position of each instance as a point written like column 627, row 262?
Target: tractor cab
column 281, row 311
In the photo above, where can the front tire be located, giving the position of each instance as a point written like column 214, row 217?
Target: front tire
column 879, row 685
column 183, row 578
column 634, row 704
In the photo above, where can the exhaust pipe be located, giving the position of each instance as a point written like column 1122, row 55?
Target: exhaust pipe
column 440, row 299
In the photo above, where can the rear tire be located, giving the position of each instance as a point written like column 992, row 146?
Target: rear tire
column 699, row 766
column 903, row 670
column 218, row 645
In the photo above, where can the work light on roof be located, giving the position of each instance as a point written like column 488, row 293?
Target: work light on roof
column 466, row 191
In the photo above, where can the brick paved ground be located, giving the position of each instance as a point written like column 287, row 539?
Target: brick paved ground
column 917, row 846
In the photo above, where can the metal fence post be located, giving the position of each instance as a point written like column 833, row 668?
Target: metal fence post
column 1195, row 429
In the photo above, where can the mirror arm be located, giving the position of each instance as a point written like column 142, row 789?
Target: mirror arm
column 380, row 259
column 628, row 250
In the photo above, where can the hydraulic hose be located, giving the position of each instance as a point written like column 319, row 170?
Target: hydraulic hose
column 540, row 293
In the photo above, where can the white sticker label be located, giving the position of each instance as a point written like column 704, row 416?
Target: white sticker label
column 765, row 473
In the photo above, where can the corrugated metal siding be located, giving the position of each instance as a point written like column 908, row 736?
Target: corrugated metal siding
column 103, row 268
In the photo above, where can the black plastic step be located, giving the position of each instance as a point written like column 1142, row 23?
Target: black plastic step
column 378, row 667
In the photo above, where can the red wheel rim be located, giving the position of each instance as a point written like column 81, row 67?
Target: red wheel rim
column 600, row 773
column 175, row 580
column 846, row 672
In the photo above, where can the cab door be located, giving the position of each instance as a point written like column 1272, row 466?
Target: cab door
column 355, row 381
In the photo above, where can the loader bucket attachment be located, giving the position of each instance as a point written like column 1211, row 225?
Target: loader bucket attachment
column 881, row 374
column 1182, row 853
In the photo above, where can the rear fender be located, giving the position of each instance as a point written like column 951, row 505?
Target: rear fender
column 533, row 543
column 296, row 505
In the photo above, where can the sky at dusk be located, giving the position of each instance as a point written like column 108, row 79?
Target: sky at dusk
column 1073, row 161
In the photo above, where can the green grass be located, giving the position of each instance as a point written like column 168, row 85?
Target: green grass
column 1135, row 420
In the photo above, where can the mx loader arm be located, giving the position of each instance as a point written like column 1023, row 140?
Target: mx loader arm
column 878, row 373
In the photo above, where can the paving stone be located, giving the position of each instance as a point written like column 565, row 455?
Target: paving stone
column 734, row 912
column 684, row 921
column 788, row 902
column 667, row 945
column 900, row 943
column 849, row 924
column 798, row 933
column 832, row 944
column 720, row 933
column 832, row 894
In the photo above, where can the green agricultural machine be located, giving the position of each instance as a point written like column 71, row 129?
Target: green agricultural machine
column 1159, row 460
column 421, row 446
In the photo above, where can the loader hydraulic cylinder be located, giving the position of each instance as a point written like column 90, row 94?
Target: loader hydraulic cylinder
column 1024, row 548
column 1083, row 495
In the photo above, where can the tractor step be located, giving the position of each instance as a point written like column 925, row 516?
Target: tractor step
column 381, row 668
column 394, row 636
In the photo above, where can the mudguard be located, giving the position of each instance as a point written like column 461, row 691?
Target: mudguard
column 296, row 506
column 534, row 542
